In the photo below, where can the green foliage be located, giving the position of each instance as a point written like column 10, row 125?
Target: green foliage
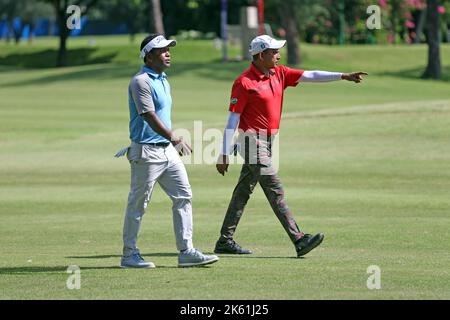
column 178, row 15
column 200, row 15
column 319, row 21
column 133, row 13
column 27, row 11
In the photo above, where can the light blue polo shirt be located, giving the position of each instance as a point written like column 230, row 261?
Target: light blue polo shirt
column 148, row 91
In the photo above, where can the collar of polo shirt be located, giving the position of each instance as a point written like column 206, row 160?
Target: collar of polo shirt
column 258, row 73
column 152, row 73
column 157, row 42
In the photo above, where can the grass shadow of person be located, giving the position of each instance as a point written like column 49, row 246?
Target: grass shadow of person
column 106, row 256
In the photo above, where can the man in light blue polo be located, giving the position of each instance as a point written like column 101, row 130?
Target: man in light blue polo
column 154, row 156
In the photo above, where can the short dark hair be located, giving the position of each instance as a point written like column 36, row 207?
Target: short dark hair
column 256, row 56
column 147, row 40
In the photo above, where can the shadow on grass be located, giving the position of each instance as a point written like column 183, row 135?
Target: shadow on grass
column 215, row 71
column 47, row 58
column 164, row 254
column 96, row 65
column 220, row 71
column 256, row 257
column 45, row 269
column 416, row 73
column 107, row 256
column 63, row 269
column 96, row 72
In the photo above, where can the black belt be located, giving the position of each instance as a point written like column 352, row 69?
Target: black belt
column 158, row 144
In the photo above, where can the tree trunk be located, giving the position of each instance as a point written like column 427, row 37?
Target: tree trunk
column 395, row 5
column 63, row 31
column 30, row 36
column 10, row 30
column 62, row 51
column 289, row 20
column 60, row 7
column 18, row 34
column 420, row 24
column 156, row 24
column 341, row 11
column 433, row 69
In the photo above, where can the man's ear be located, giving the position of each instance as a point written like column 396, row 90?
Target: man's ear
column 149, row 57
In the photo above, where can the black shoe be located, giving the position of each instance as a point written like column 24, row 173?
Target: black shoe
column 308, row 242
column 231, row 247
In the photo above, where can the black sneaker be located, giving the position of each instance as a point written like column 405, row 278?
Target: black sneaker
column 308, row 242
column 231, row 247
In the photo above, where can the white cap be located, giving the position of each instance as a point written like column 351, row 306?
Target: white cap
column 261, row 43
column 157, row 42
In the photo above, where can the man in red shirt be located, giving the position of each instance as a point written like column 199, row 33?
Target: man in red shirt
column 256, row 104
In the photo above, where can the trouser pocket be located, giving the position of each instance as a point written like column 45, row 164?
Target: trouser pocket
column 134, row 153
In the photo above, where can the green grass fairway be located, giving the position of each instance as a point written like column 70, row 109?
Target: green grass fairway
column 368, row 165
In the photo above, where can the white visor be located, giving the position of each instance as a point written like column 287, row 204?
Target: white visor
column 157, row 42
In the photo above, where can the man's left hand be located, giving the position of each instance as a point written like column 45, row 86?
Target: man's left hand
column 182, row 147
column 354, row 76
column 222, row 164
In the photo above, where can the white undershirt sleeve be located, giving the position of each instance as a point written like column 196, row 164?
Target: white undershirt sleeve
column 233, row 121
column 320, row 76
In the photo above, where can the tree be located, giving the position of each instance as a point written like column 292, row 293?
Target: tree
column 394, row 18
column 133, row 13
column 201, row 15
column 27, row 11
column 342, row 23
column 30, row 12
column 156, row 23
column 8, row 9
column 433, row 69
column 288, row 16
column 60, row 8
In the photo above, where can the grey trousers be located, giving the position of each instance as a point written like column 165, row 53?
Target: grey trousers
column 258, row 169
column 151, row 164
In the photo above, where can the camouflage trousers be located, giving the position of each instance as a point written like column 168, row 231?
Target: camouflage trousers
column 263, row 173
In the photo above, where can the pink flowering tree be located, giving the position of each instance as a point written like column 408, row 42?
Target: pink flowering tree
column 400, row 18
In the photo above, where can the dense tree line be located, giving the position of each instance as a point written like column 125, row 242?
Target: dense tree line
column 315, row 21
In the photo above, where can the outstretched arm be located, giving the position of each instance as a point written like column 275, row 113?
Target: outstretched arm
column 325, row 76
